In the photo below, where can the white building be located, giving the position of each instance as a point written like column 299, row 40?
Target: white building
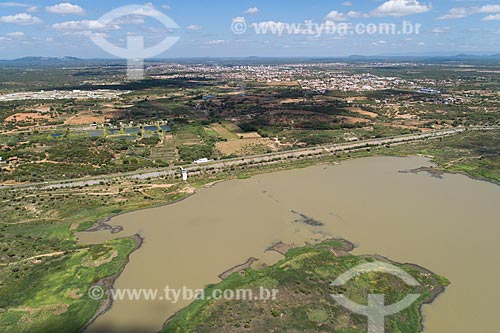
column 201, row 160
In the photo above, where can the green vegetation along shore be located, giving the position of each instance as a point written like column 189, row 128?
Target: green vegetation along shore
column 474, row 153
column 49, row 294
column 303, row 302
column 37, row 228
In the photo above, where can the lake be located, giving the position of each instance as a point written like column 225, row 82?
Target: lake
column 449, row 225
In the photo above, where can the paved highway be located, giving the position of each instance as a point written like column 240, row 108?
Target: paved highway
column 270, row 158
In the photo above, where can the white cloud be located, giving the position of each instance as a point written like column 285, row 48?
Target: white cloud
column 380, row 42
column 239, row 19
column 9, row 36
column 492, row 18
column 129, row 20
column 216, row 42
column 346, row 3
column 193, row 27
column 335, row 16
column 355, row 14
column 13, row 4
column 439, row 30
column 157, row 30
column 84, row 25
column 398, row 8
column 16, row 34
column 21, row 19
column 65, row 8
column 461, row 12
column 487, row 9
column 252, row 10
column 456, row 13
column 147, row 10
column 86, row 33
column 166, row 7
column 32, row 9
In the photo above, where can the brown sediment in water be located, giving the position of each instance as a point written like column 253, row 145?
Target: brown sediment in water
column 407, row 217
column 307, row 220
column 437, row 172
column 103, row 225
column 431, row 170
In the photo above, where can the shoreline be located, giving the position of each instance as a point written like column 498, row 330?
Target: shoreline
column 435, row 293
column 108, row 283
column 103, row 224
column 237, row 268
column 487, row 180
column 434, row 171
column 347, row 248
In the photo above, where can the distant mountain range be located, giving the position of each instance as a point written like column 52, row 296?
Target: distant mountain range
column 435, row 56
column 74, row 61
column 57, row 61
column 27, row 59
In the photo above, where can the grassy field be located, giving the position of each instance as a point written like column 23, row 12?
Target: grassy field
column 44, row 273
column 54, row 294
column 166, row 150
column 195, row 141
column 303, row 302
column 226, row 131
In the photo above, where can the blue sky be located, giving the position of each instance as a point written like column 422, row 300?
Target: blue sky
column 55, row 28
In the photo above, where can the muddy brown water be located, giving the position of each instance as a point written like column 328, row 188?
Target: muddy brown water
column 450, row 226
